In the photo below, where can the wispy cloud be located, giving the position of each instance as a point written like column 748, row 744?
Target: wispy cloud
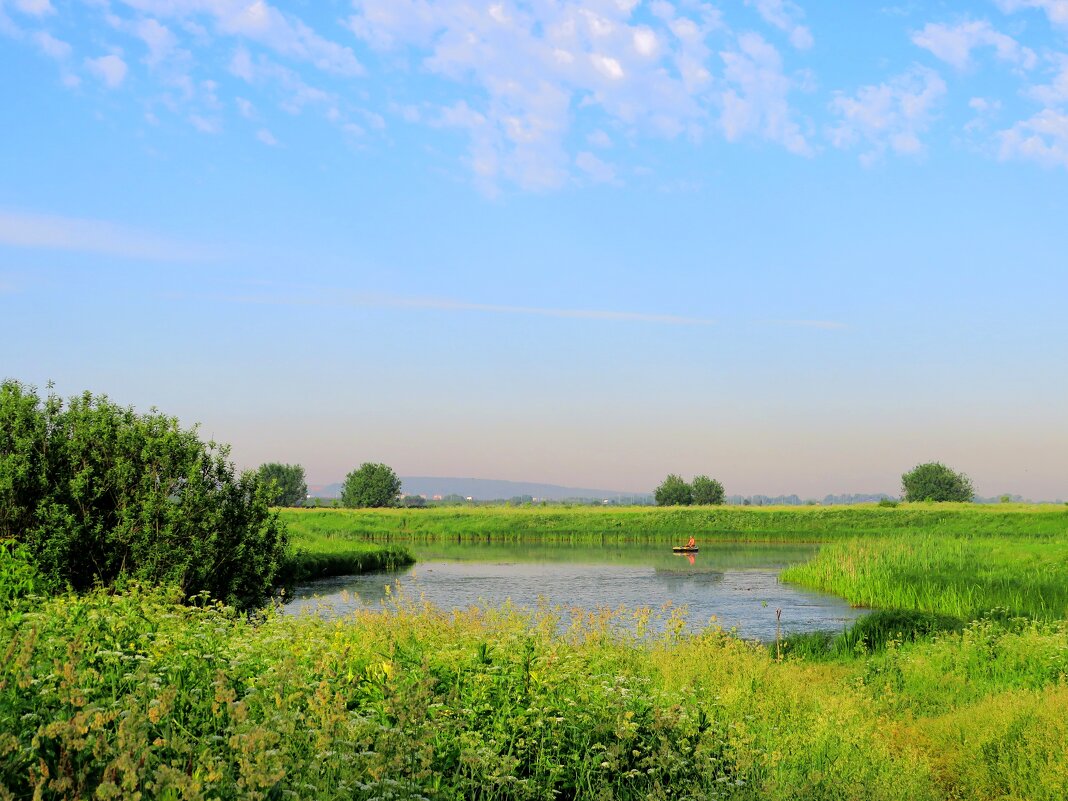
column 110, row 69
column 46, row 232
column 954, row 43
column 827, row 325
column 1055, row 10
column 889, row 116
column 1042, row 138
column 334, row 298
column 785, row 16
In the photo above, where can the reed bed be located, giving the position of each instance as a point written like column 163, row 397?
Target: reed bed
column 314, row 557
column 966, row 577
column 732, row 523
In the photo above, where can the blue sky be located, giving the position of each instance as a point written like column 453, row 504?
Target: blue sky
column 799, row 246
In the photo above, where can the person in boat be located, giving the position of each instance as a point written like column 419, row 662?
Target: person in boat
column 691, row 543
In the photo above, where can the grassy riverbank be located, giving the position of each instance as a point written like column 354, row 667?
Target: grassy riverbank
column 952, row 559
column 313, row 556
column 964, row 576
column 126, row 695
column 764, row 524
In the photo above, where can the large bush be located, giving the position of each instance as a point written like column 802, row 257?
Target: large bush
column 673, row 491
column 97, row 492
column 936, row 482
column 370, row 485
column 290, row 488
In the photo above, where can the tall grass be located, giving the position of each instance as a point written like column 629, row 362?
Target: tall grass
column 595, row 525
column 961, row 576
column 130, row 695
column 321, row 557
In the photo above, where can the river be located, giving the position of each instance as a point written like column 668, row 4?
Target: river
column 732, row 585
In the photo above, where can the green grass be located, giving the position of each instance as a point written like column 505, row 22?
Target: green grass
column 132, row 695
column 312, row 557
column 764, row 524
column 962, row 576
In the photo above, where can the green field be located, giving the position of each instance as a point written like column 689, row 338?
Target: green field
column 596, row 524
column 959, row 690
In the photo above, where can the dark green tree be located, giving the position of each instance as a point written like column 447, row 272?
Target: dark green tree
column 674, row 492
column 290, row 488
column 370, row 485
column 707, row 491
column 936, row 482
column 97, row 491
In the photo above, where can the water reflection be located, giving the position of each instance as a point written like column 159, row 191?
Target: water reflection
column 735, row 586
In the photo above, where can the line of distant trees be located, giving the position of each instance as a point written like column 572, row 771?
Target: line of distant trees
column 702, row 491
column 931, row 481
column 375, row 485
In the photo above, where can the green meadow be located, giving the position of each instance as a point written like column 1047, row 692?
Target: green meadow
column 957, row 688
column 758, row 524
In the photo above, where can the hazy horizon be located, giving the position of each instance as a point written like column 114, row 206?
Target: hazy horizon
column 798, row 246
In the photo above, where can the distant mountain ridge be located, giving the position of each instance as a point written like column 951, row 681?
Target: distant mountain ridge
column 486, row 489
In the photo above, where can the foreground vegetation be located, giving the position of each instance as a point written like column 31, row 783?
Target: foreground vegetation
column 131, row 695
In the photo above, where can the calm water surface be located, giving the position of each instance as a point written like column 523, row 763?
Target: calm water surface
column 735, row 584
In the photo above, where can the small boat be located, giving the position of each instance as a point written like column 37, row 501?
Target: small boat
column 683, row 549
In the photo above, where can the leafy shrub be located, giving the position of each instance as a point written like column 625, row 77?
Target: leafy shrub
column 96, row 492
column 936, row 482
column 371, row 485
column 290, row 488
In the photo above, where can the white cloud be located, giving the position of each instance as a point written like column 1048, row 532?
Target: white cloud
column 756, row 101
column 645, row 41
column 954, row 43
column 45, row 232
column 110, row 69
column 1042, row 138
column 157, row 38
column 607, row 66
column 245, row 108
column 51, row 46
column 785, row 16
column 1055, row 92
column 889, row 115
column 266, row 137
column 260, row 22
column 296, row 94
column 35, row 8
column 535, row 67
column 1055, row 10
column 597, row 170
column 985, row 111
column 204, row 124
column 599, row 138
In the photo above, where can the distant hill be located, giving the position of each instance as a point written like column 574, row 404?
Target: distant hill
column 484, row 489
